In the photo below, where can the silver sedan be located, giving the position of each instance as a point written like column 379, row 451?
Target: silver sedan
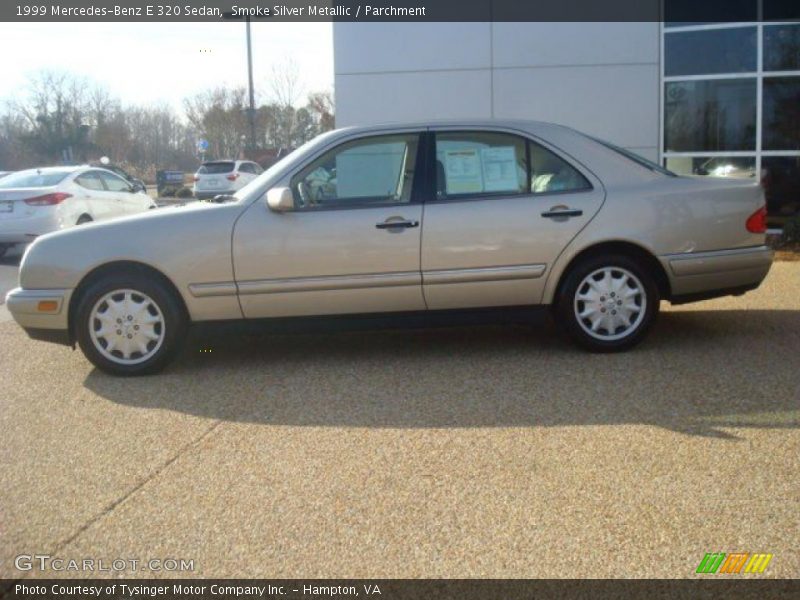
column 402, row 219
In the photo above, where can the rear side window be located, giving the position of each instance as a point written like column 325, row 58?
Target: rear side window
column 33, row 179
column 487, row 163
column 551, row 173
column 469, row 163
column 216, row 168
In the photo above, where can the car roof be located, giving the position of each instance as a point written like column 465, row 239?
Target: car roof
column 523, row 124
column 62, row 169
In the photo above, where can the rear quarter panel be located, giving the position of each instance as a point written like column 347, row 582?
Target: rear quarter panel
column 666, row 216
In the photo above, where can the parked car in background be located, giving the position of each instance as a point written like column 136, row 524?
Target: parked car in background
column 406, row 218
column 38, row 201
column 137, row 184
column 221, row 177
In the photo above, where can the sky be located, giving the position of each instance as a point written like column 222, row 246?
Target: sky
column 144, row 63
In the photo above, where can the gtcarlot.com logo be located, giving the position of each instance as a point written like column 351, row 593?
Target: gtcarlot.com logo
column 45, row 562
column 733, row 564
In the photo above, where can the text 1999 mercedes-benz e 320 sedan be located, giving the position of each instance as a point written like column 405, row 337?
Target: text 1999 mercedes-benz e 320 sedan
column 391, row 219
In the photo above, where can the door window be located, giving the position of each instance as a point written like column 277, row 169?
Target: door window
column 487, row 163
column 469, row 163
column 371, row 171
column 91, row 181
column 114, row 183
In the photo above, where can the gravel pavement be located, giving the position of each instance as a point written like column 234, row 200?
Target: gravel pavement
column 491, row 451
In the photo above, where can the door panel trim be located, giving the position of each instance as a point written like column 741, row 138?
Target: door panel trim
column 440, row 276
column 332, row 282
column 205, row 290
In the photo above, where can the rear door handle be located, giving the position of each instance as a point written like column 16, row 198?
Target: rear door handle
column 389, row 224
column 563, row 212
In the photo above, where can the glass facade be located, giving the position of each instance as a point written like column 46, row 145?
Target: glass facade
column 731, row 94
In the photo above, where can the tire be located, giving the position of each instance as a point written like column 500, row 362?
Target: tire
column 618, row 308
column 84, row 219
column 138, row 340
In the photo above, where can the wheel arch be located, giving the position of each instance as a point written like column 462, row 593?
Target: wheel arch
column 635, row 251
column 114, row 267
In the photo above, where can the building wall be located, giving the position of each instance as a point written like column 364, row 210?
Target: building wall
column 601, row 78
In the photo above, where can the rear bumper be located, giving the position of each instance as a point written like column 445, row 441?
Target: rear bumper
column 701, row 275
column 24, row 306
column 27, row 228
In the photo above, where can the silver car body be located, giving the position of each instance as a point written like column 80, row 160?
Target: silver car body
column 243, row 260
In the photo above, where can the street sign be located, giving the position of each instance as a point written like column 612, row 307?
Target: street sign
column 202, row 145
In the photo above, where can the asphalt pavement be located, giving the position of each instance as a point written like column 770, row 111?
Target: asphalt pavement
column 491, row 451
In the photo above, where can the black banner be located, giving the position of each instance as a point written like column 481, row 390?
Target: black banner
column 395, row 10
column 399, row 589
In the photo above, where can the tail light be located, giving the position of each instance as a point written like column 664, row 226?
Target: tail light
column 757, row 222
column 48, row 199
column 232, row 177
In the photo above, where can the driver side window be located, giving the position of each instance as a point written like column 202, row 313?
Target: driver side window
column 371, row 171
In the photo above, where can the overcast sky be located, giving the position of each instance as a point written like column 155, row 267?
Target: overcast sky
column 143, row 63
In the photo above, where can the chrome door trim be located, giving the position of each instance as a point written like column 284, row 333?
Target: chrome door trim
column 206, row 290
column 533, row 271
column 332, row 282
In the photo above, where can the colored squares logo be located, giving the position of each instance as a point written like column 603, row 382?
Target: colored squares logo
column 734, row 563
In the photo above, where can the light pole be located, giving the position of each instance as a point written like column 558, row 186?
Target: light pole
column 251, row 111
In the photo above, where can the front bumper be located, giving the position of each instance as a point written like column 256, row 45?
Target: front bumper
column 42, row 313
column 700, row 275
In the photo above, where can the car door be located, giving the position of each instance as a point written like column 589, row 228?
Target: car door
column 351, row 243
column 121, row 196
column 93, row 195
column 502, row 210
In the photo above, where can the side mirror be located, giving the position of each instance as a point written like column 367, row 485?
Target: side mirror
column 280, row 199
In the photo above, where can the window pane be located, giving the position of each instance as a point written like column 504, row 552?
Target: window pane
column 480, row 162
column 710, row 116
column 740, row 167
column 782, row 48
column 376, row 170
column 553, row 174
column 781, row 181
column 781, row 121
column 781, row 10
column 694, row 12
column 114, row 183
column 712, row 51
column 91, row 181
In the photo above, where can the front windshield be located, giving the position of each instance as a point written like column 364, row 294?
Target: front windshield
column 640, row 160
column 33, row 179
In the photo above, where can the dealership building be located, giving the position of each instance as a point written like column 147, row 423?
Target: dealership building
column 715, row 99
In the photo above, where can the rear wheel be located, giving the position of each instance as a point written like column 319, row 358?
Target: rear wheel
column 130, row 324
column 608, row 303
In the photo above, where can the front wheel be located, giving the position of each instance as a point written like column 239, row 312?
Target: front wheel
column 130, row 324
column 607, row 303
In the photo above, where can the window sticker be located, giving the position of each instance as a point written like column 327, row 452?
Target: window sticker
column 500, row 169
column 463, row 172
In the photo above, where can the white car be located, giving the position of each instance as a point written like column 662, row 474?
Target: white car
column 221, row 177
column 38, row 201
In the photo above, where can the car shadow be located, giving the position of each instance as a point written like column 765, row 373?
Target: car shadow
column 698, row 372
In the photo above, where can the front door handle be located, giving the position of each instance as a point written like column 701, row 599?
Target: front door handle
column 390, row 224
column 562, row 213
